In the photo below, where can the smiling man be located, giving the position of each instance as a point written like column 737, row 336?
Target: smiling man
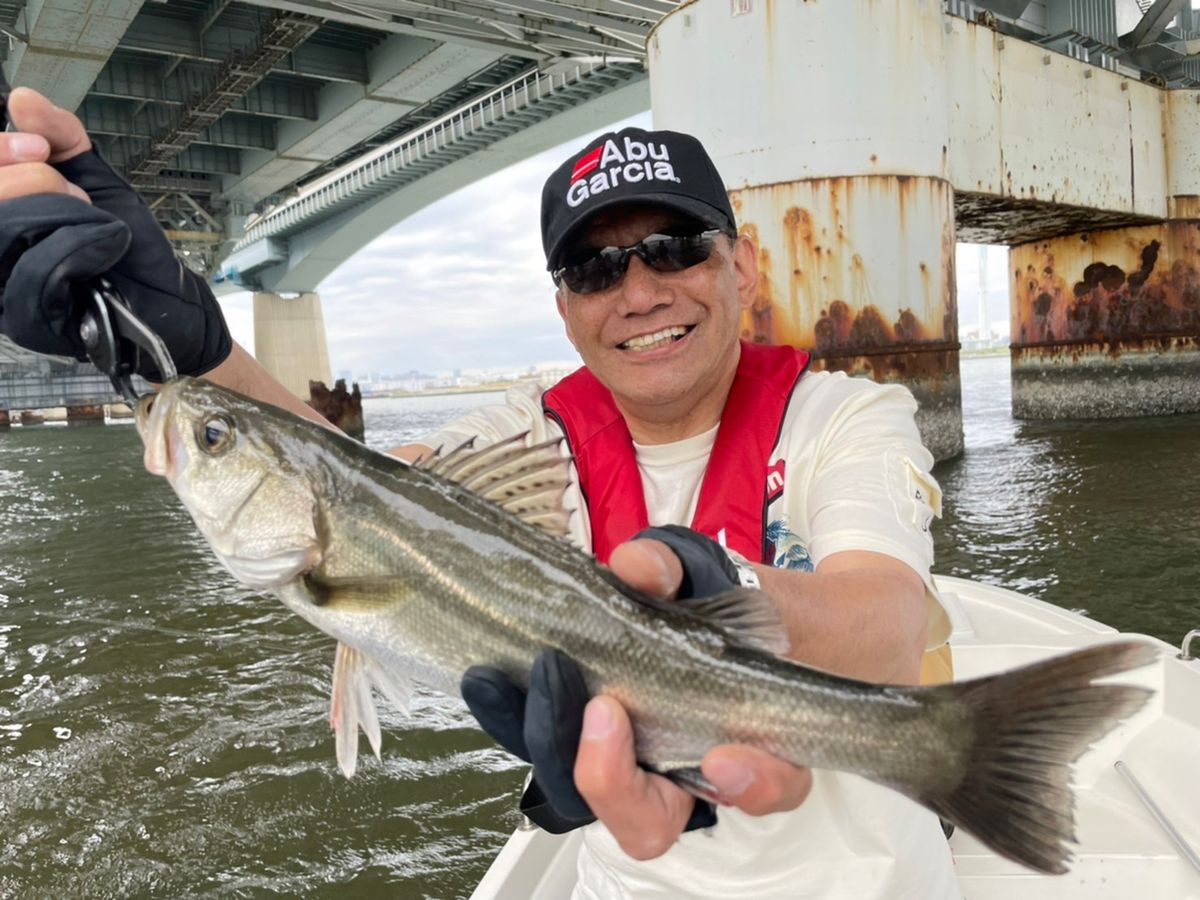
column 813, row 486
column 734, row 463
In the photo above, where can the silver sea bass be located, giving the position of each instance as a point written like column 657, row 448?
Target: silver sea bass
column 420, row 576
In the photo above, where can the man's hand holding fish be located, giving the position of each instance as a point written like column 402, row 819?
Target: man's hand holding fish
column 811, row 490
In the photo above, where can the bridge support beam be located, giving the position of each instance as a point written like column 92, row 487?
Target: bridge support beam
column 1107, row 324
column 289, row 340
column 841, row 185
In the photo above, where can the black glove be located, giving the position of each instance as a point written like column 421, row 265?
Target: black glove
column 543, row 727
column 51, row 244
column 707, row 568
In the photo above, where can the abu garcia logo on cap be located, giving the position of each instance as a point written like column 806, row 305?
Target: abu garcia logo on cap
column 607, row 167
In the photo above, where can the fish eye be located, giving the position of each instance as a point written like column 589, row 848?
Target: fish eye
column 214, row 435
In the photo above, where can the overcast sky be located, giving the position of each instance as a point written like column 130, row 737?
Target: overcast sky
column 460, row 285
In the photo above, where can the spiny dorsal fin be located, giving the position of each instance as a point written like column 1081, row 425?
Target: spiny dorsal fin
column 526, row 481
column 747, row 614
column 438, row 464
column 468, row 464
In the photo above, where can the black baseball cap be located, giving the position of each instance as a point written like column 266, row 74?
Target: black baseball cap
column 664, row 168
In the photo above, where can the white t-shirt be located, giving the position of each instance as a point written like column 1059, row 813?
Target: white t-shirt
column 856, row 478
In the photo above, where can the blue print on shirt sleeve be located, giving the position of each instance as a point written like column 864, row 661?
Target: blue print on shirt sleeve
column 790, row 551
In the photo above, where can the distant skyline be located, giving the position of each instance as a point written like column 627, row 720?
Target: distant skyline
column 462, row 284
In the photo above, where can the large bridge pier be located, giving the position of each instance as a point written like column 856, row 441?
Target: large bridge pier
column 841, row 183
column 289, row 339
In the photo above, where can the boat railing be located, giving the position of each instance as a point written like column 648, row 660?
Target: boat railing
column 1185, row 649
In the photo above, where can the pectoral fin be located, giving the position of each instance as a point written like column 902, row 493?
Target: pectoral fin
column 356, row 594
column 748, row 615
column 352, row 706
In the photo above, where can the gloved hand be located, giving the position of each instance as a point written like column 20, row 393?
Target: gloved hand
column 543, row 726
column 52, row 244
column 707, row 568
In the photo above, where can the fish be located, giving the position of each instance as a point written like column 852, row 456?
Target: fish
column 422, row 571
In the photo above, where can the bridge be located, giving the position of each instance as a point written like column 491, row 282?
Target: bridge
column 273, row 138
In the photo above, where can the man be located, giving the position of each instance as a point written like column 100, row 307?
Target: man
column 652, row 283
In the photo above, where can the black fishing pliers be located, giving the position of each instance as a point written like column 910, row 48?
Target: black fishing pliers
column 113, row 337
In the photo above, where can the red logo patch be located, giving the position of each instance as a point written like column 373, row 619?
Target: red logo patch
column 586, row 163
column 775, row 480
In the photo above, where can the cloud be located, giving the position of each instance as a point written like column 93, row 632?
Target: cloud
column 461, row 284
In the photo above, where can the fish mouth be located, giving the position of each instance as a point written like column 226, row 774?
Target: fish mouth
column 655, row 340
column 165, row 453
column 141, row 412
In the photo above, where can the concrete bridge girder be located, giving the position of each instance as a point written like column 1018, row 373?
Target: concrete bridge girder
column 304, row 260
column 69, row 41
column 349, row 113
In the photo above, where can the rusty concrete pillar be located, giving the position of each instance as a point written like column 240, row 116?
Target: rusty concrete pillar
column 341, row 407
column 838, row 171
column 1107, row 323
column 86, row 414
column 5, row 421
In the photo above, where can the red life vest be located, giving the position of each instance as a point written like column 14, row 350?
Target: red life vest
column 736, row 488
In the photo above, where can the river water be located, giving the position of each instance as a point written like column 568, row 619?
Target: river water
column 163, row 731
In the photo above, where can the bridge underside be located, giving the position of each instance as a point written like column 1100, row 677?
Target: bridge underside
column 217, row 110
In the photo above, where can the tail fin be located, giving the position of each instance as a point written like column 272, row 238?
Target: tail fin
column 1029, row 725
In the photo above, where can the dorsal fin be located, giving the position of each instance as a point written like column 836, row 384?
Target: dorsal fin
column 747, row 614
column 527, row 481
column 469, row 463
column 437, row 464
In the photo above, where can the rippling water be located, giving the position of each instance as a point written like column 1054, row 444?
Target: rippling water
column 163, row 731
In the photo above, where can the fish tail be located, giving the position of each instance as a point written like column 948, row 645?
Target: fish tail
column 1026, row 727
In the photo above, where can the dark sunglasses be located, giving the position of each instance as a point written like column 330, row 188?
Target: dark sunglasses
column 661, row 252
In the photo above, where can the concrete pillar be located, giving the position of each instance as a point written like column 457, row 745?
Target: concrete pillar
column 1107, row 323
column 86, row 414
column 840, row 179
column 289, row 340
column 5, row 421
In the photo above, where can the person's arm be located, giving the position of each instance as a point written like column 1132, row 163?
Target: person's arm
column 243, row 373
column 860, row 614
column 50, row 137
column 520, row 413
